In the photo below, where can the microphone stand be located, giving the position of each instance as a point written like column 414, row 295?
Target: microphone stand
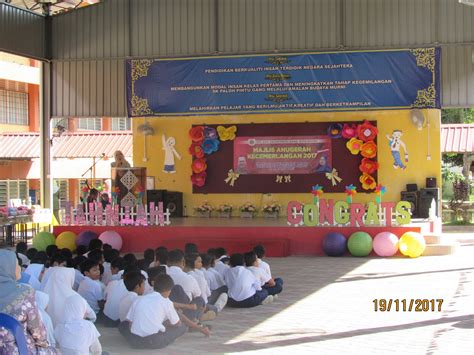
column 92, row 166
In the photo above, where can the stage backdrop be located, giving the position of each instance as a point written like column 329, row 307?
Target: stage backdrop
column 284, row 157
column 284, row 83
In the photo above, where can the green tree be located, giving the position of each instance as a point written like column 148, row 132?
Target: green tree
column 457, row 115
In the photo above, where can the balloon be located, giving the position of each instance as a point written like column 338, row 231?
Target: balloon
column 359, row 244
column 334, row 244
column 66, row 240
column 42, row 240
column 385, row 244
column 112, row 238
column 412, row 244
column 84, row 238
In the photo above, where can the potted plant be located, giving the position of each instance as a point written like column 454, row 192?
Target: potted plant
column 248, row 210
column 203, row 210
column 224, row 211
column 271, row 210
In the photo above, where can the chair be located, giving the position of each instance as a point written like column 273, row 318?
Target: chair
column 11, row 324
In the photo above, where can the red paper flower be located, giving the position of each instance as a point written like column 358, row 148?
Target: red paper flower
column 199, row 180
column 368, row 166
column 368, row 181
column 196, row 150
column 366, row 131
column 369, row 150
column 349, row 131
column 199, row 165
column 197, row 134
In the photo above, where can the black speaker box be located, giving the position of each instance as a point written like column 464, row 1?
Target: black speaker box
column 412, row 187
column 156, row 196
column 412, row 197
column 426, row 198
column 174, row 203
column 430, row 182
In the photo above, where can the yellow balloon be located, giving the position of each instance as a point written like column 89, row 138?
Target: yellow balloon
column 66, row 240
column 412, row 244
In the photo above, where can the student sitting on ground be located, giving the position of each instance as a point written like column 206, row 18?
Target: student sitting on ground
column 186, row 289
column 109, row 256
column 148, row 258
column 154, row 323
column 265, row 280
column 276, row 283
column 134, row 282
column 116, row 269
column 115, row 291
column 91, row 288
column 161, row 258
column 74, row 334
column 244, row 289
column 215, row 281
column 222, row 260
column 21, row 249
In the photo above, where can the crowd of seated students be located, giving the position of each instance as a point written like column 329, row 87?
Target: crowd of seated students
column 151, row 301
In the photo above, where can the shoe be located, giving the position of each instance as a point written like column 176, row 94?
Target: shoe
column 275, row 297
column 221, row 301
column 209, row 315
column 268, row 300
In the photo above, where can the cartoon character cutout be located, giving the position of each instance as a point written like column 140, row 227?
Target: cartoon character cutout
column 395, row 144
column 170, row 154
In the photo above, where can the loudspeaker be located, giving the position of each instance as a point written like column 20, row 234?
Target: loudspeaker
column 156, row 196
column 412, row 197
column 426, row 198
column 174, row 203
column 412, row 187
column 430, row 182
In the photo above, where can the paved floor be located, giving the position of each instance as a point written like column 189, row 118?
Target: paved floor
column 327, row 307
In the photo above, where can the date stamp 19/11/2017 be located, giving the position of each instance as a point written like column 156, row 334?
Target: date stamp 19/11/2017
column 407, row 305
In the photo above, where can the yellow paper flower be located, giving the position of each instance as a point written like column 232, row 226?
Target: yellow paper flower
column 368, row 182
column 354, row 145
column 226, row 134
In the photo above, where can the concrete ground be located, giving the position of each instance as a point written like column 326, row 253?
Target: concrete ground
column 327, row 306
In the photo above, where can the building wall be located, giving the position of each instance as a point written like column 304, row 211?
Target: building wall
column 418, row 169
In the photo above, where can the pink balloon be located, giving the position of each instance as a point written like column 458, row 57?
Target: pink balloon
column 385, row 244
column 112, row 238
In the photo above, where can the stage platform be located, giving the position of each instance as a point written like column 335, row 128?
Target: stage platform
column 234, row 234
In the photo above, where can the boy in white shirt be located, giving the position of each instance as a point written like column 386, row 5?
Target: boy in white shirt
column 135, row 283
column 276, row 283
column 265, row 280
column 186, row 289
column 114, row 292
column 221, row 264
column 154, row 323
column 91, row 288
column 215, row 281
column 244, row 289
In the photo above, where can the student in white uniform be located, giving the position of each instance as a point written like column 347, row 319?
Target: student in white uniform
column 214, row 279
column 74, row 334
column 222, row 260
column 277, row 283
column 42, row 300
column 148, row 316
column 134, row 282
column 186, row 289
column 265, row 280
column 21, row 249
column 91, row 288
column 244, row 289
column 161, row 258
column 59, row 288
column 109, row 256
column 114, row 293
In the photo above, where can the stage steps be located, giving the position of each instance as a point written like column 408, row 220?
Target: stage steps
column 436, row 244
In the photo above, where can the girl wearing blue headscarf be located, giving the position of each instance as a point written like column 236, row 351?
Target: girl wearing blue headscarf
column 18, row 301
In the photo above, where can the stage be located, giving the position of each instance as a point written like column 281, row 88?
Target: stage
column 235, row 234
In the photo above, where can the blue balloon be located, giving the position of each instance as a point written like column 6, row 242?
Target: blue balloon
column 334, row 244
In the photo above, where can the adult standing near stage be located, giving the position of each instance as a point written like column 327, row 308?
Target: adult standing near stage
column 120, row 161
column 18, row 301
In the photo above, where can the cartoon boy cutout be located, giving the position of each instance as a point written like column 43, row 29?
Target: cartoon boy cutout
column 395, row 144
column 170, row 153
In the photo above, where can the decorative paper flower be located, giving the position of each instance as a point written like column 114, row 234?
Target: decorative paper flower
column 368, row 181
column 369, row 150
column 226, row 134
column 368, row 166
column 335, row 130
column 349, row 130
column 350, row 190
column 197, row 134
column 199, row 165
column 196, row 150
column 366, row 131
column 199, row 179
column 210, row 146
column 317, row 190
column 210, row 133
column 354, row 145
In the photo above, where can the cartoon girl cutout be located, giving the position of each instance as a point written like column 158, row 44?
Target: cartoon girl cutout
column 395, row 144
column 170, row 153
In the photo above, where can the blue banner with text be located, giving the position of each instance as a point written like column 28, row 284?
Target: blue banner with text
column 394, row 79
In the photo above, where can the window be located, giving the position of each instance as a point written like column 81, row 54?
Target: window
column 90, row 124
column 121, row 124
column 63, row 192
column 13, row 189
column 13, row 107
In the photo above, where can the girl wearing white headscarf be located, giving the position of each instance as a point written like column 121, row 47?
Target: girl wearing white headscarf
column 75, row 335
column 35, row 271
column 42, row 300
column 59, row 288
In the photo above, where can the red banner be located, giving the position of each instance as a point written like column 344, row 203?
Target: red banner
column 282, row 155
